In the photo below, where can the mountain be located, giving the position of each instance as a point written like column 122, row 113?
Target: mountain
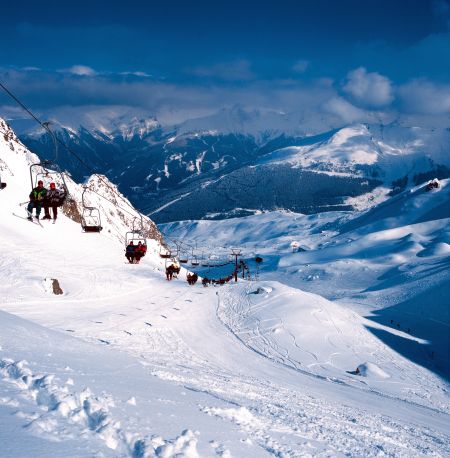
column 388, row 263
column 263, row 158
column 339, row 349
column 116, row 213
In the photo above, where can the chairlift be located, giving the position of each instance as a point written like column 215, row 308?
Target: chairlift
column 137, row 233
column 2, row 184
column 183, row 258
column 90, row 217
column 164, row 253
column 194, row 259
column 135, row 237
column 44, row 169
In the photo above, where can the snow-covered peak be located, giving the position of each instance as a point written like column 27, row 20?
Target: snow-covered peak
column 117, row 215
column 262, row 124
column 386, row 152
column 110, row 122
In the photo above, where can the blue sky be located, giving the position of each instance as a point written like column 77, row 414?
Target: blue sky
column 373, row 54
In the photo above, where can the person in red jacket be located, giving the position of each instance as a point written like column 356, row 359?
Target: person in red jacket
column 53, row 199
column 140, row 251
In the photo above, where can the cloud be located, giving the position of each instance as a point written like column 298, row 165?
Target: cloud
column 136, row 73
column 46, row 91
column 425, row 97
column 31, row 69
column 236, row 70
column 80, row 70
column 344, row 109
column 321, row 100
column 368, row 89
column 300, row 66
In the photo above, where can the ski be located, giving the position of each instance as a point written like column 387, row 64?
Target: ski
column 34, row 220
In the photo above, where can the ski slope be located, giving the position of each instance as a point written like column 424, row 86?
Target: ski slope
column 124, row 363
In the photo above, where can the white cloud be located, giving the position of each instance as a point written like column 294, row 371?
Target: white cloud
column 31, row 69
column 345, row 110
column 425, row 97
column 80, row 70
column 319, row 99
column 300, row 66
column 136, row 73
column 368, row 89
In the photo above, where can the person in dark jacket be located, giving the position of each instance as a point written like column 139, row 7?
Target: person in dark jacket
column 54, row 199
column 37, row 196
column 172, row 269
column 130, row 252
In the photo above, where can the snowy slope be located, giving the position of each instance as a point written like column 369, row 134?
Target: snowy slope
column 181, row 362
column 116, row 212
column 124, row 363
column 390, row 265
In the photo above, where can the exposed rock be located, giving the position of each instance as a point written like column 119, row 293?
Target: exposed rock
column 56, row 288
column 70, row 209
column 52, row 286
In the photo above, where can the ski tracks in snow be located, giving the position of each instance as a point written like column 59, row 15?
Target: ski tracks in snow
column 319, row 427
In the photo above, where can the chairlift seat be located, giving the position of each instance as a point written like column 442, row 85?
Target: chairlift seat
column 91, row 228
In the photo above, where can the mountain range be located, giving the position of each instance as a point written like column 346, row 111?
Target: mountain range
column 237, row 162
column 333, row 341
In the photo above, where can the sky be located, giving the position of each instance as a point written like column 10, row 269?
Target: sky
column 181, row 59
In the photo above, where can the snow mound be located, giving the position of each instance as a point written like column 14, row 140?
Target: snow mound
column 263, row 290
column 372, row 370
column 439, row 249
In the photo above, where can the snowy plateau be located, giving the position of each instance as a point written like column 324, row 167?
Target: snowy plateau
column 337, row 344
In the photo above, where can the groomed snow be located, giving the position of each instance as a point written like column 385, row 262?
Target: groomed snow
column 124, row 363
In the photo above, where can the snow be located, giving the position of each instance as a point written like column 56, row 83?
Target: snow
column 111, row 121
column 394, row 151
column 125, row 363
column 372, row 370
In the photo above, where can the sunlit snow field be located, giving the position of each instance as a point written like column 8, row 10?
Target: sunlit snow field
column 125, row 363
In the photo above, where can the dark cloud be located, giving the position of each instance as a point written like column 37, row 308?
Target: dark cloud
column 81, row 89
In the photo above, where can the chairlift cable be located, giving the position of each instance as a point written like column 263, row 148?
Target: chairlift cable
column 42, row 124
